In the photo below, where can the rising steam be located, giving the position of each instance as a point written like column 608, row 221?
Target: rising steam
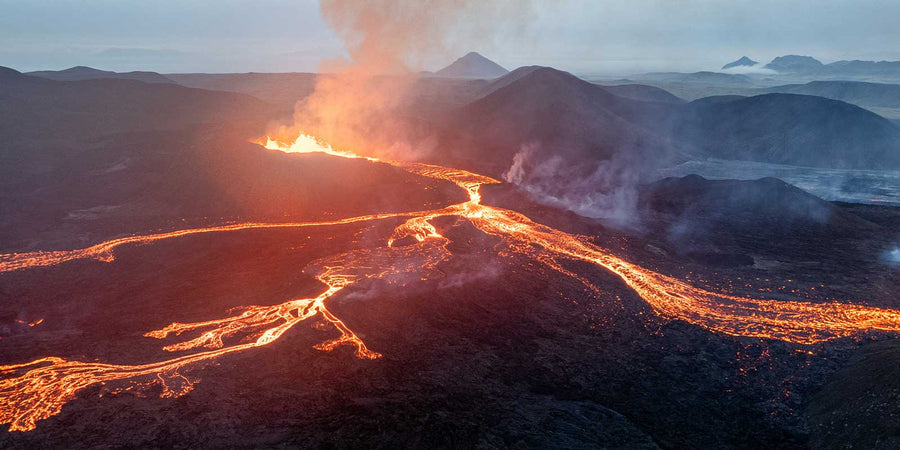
column 606, row 189
column 893, row 256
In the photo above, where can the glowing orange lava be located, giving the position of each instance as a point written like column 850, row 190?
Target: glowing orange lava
column 34, row 391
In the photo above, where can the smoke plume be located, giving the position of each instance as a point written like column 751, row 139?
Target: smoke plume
column 606, row 189
column 359, row 101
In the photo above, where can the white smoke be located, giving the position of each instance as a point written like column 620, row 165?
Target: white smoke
column 893, row 256
column 602, row 190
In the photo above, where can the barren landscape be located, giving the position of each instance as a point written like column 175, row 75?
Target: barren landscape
column 377, row 257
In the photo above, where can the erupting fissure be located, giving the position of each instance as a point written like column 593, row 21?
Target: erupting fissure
column 36, row 390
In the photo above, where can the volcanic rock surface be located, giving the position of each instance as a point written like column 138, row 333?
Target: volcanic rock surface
column 80, row 73
column 489, row 347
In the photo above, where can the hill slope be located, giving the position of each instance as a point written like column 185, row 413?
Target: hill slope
column 38, row 108
column 84, row 160
column 792, row 129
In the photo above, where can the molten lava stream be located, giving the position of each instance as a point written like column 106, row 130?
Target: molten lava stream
column 104, row 251
column 48, row 383
column 37, row 390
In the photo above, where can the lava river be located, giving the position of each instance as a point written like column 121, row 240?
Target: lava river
column 36, row 390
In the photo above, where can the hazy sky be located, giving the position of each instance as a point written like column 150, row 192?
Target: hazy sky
column 583, row 36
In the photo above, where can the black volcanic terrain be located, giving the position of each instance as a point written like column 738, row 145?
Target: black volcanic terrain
column 480, row 338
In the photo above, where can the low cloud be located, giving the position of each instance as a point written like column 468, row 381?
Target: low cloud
column 757, row 69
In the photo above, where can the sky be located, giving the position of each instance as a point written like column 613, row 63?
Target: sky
column 581, row 36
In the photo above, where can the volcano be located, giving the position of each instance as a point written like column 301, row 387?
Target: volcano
column 172, row 275
column 743, row 61
column 472, row 65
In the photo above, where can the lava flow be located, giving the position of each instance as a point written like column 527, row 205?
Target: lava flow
column 34, row 391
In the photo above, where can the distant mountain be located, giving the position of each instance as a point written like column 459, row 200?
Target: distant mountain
column 807, row 65
column 856, row 92
column 79, row 73
column 795, row 64
column 791, row 129
column 643, row 93
column 742, row 62
column 473, row 65
column 713, row 99
column 864, row 68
